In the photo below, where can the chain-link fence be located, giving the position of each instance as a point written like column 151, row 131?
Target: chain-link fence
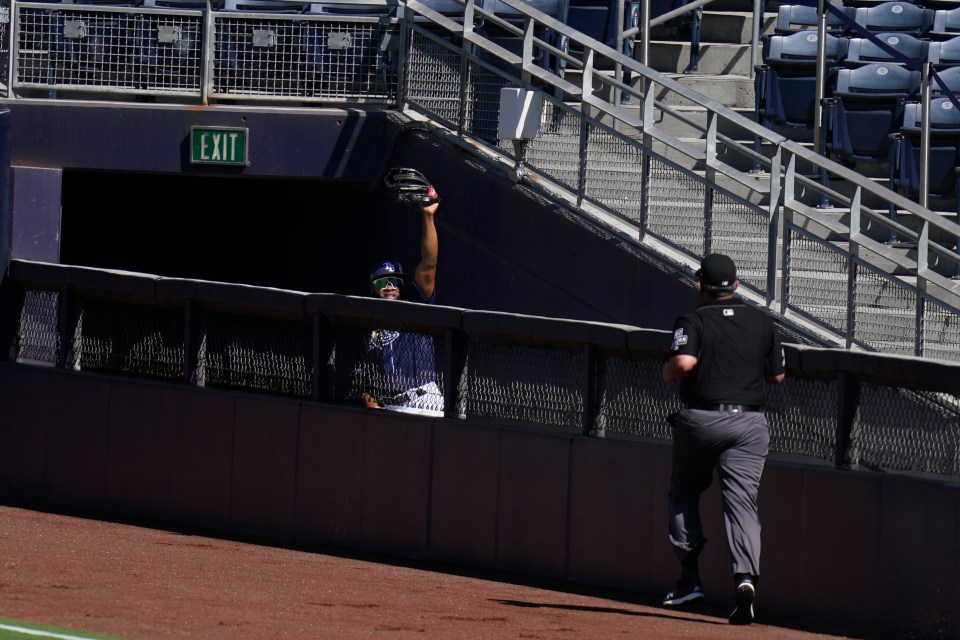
column 861, row 410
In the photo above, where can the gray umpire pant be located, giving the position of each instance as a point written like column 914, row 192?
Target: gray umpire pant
column 736, row 445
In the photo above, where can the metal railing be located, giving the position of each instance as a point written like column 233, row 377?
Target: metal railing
column 826, row 270
column 825, row 267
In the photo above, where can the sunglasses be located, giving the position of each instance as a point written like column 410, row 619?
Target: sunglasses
column 381, row 283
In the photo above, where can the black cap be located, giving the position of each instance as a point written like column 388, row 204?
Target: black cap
column 717, row 271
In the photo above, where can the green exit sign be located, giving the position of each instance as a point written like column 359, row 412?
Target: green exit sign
column 218, row 145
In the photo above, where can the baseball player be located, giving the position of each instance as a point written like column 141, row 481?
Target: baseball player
column 405, row 361
column 722, row 355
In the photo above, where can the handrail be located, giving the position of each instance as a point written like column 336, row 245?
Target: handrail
column 772, row 179
column 779, row 176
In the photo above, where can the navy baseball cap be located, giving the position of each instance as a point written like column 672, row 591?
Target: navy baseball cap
column 717, row 271
column 386, row 268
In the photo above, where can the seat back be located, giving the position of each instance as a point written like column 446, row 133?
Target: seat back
column 864, row 51
column 877, row 79
column 354, row 8
column 944, row 53
column 943, row 155
column 946, row 23
column 868, row 104
column 195, row 5
column 902, row 17
column 265, row 6
column 792, row 18
column 947, row 79
column 802, row 46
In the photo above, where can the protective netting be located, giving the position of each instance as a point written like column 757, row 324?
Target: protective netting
column 675, row 206
column 741, row 231
column 634, row 399
column 114, row 336
column 503, row 378
column 435, row 77
column 907, row 430
column 817, row 284
column 277, row 55
column 38, row 337
column 536, row 385
column 256, row 353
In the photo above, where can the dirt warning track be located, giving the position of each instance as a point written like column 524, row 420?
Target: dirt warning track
column 140, row 583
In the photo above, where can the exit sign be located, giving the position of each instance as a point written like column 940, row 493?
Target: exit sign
column 218, row 145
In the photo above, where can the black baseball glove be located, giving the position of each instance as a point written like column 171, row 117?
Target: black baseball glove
column 409, row 186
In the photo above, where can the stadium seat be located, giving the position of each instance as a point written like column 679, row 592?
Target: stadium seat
column 266, row 6
column 792, row 18
column 597, row 19
column 946, row 24
column 365, row 8
column 865, row 107
column 943, row 158
column 785, row 84
column 863, row 51
column 902, row 17
column 944, row 53
column 194, row 5
column 946, row 80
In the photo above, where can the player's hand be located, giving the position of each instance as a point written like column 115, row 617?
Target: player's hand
column 370, row 402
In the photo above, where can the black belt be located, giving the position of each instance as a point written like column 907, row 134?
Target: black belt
column 730, row 408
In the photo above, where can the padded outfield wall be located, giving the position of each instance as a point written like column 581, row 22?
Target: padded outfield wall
column 866, row 550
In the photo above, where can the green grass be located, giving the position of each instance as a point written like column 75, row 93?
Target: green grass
column 20, row 630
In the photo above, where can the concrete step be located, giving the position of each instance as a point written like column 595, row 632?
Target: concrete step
column 716, row 58
column 730, row 90
column 732, row 26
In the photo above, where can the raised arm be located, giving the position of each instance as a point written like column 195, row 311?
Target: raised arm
column 425, row 275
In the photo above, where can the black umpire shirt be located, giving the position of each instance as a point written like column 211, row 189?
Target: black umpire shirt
column 736, row 346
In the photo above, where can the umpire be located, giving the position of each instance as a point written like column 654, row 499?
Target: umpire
column 722, row 355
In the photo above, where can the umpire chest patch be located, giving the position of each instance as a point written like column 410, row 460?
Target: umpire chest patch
column 679, row 339
column 728, row 312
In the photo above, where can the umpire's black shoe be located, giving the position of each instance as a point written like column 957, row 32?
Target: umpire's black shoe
column 686, row 591
column 743, row 602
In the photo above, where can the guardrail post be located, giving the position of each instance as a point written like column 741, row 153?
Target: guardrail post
column 66, row 312
column 403, row 55
column 590, row 394
column 923, row 263
column 775, row 229
column 191, row 340
column 323, row 345
column 848, row 402
column 454, row 366
column 711, row 176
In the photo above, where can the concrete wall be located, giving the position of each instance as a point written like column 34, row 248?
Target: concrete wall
column 864, row 550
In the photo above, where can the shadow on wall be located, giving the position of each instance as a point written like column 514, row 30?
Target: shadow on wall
column 502, row 247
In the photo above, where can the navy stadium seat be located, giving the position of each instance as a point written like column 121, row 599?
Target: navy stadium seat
column 947, row 79
column 864, row 108
column 903, row 17
column 598, row 19
column 944, row 53
column 792, row 18
column 946, row 24
column 943, row 157
column 863, row 51
column 785, row 84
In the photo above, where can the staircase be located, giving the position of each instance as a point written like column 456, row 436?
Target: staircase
column 725, row 74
